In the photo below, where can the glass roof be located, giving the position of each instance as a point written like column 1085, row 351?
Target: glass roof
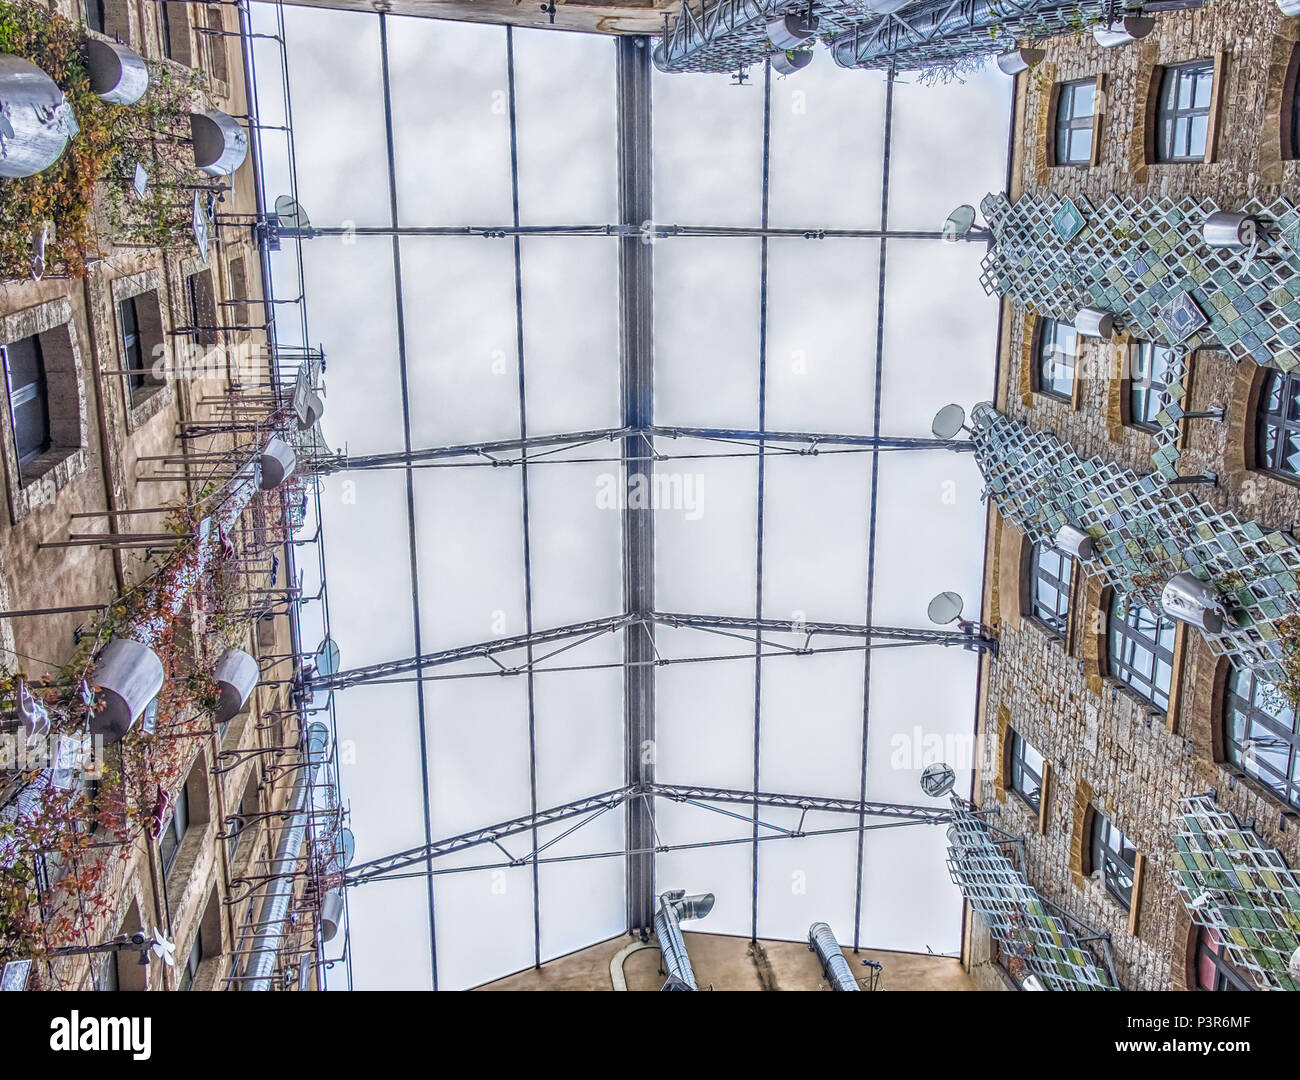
column 440, row 340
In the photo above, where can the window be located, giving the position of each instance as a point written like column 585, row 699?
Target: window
column 191, row 968
column 1142, row 651
column 1292, row 149
column 29, row 403
column 1115, row 856
column 1260, row 734
column 174, row 832
column 216, row 45
column 1076, row 103
column 165, row 29
column 1148, row 384
column 96, row 16
column 200, row 308
column 1213, row 972
column 1183, row 120
column 1050, row 593
column 1025, row 776
column 133, row 348
column 1057, row 342
column 1278, row 436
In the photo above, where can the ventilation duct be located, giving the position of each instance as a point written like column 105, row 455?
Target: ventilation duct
column 1075, row 542
column 236, row 677
column 1225, row 229
column 1188, row 599
column 1094, row 323
column 274, row 908
column 821, row 940
column 220, row 144
column 117, row 75
column 1122, row 31
column 1018, row 60
column 673, row 908
column 36, row 120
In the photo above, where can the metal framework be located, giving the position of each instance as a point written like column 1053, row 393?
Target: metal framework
column 637, row 443
column 402, row 863
column 727, row 35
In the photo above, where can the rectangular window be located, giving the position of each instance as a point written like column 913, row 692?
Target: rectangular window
column 1183, row 120
column 1076, row 105
column 1057, row 344
column 165, row 29
column 1050, row 601
column 192, row 962
column 216, row 45
column 132, row 345
column 29, row 403
column 1116, row 857
column 95, row 16
column 1026, row 775
column 1148, row 384
column 170, row 841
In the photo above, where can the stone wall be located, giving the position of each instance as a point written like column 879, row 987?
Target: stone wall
column 1107, row 748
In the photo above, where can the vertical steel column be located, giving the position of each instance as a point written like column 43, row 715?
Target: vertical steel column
column 410, row 489
column 636, row 377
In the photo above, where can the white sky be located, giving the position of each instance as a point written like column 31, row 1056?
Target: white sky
column 452, row 163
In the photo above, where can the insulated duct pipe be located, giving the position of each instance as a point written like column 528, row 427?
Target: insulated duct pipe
column 274, row 909
column 673, row 907
column 821, row 940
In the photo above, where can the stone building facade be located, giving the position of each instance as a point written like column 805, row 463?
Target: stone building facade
column 1107, row 749
column 198, row 880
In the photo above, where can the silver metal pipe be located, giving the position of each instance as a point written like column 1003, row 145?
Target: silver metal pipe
column 673, row 907
column 274, row 908
column 821, row 940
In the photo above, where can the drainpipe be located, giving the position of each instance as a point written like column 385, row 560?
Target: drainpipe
column 673, row 907
column 821, row 940
column 274, row 909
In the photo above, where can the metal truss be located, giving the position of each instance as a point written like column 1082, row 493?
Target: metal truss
column 645, row 231
column 404, row 863
column 535, row 449
column 973, row 637
column 728, row 35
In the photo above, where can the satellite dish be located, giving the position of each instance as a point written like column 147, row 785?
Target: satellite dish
column 290, row 213
column 327, row 657
column 945, row 608
column 948, row 421
column 959, row 223
column 938, row 779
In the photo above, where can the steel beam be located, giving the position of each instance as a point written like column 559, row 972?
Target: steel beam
column 403, row 862
column 962, row 638
column 636, row 379
column 480, row 650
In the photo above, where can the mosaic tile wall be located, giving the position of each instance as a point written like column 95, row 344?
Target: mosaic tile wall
column 1029, row 930
column 1243, row 891
column 1145, row 531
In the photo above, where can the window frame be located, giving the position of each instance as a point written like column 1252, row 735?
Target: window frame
column 1056, row 621
column 1048, row 334
column 1108, row 859
column 174, row 831
column 1254, row 715
column 1066, row 121
column 1269, row 420
column 1225, row 977
column 189, row 972
column 1018, row 767
column 1126, row 639
column 1169, row 113
column 1147, row 388
column 25, row 394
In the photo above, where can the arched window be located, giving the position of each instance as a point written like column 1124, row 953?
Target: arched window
column 1183, row 116
column 1050, row 573
column 1278, row 433
column 1025, row 774
column 1076, row 103
column 1148, row 383
column 1142, row 651
column 1057, row 344
column 1115, row 856
column 1260, row 734
column 1213, row 972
